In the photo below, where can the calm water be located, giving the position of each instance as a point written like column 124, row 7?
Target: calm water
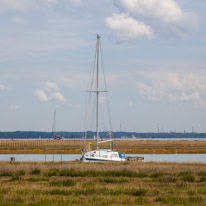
column 70, row 157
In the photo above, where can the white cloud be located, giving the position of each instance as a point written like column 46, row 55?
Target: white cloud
column 2, row 87
column 167, row 11
column 13, row 107
column 19, row 20
column 127, row 28
column 48, row 94
column 59, row 96
column 195, row 97
column 41, row 95
column 173, row 86
column 51, row 86
column 165, row 15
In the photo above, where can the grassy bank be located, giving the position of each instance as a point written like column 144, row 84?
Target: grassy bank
column 127, row 146
column 102, row 183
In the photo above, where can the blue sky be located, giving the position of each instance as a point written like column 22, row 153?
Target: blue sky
column 154, row 57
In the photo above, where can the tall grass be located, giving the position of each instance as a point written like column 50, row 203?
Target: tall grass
column 77, row 184
column 92, row 173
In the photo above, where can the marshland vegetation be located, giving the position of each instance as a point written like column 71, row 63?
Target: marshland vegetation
column 127, row 146
column 76, row 183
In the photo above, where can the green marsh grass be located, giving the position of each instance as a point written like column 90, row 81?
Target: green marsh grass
column 188, row 178
column 203, row 179
column 64, row 183
column 7, row 173
column 38, row 179
column 201, row 173
column 74, row 183
column 184, row 173
column 36, row 171
column 114, row 180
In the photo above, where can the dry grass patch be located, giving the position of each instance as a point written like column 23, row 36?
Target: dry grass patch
column 127, row 146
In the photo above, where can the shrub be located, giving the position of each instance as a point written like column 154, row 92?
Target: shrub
column 139, row 192
column 68, row 183
column 184, row 173
column 8, row 174
column 201, row 174
column 53, row 172
column 35, row 171
column 142, row 175
column 188, row 178
column 15, row 177
column 156, row 174
column 62, row 183
column 55, row 183
column 203, row 179
column 20, row 173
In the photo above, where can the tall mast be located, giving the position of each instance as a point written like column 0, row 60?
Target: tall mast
column 97, row 117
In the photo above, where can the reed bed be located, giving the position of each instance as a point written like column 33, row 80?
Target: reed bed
column 127, row 146
column 76, row 183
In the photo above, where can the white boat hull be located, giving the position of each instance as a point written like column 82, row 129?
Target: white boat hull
column 103, row 156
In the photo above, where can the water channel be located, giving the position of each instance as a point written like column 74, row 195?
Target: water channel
column 70, row 157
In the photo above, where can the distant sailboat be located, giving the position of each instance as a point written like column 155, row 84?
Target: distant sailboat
column 54, row 135
column 99, row 154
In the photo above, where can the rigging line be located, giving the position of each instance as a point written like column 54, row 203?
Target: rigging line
column 102, row 117
column 93, row 115
column 108, row 107
column 89, row 109
column 93, row 68
column 91, row 79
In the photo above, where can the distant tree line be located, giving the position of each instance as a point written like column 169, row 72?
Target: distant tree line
column 91, row 135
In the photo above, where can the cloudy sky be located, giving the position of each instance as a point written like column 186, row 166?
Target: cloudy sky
column 154, row 58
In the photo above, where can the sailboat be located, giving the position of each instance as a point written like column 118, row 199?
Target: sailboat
column 54, row 135
column 89, row 155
